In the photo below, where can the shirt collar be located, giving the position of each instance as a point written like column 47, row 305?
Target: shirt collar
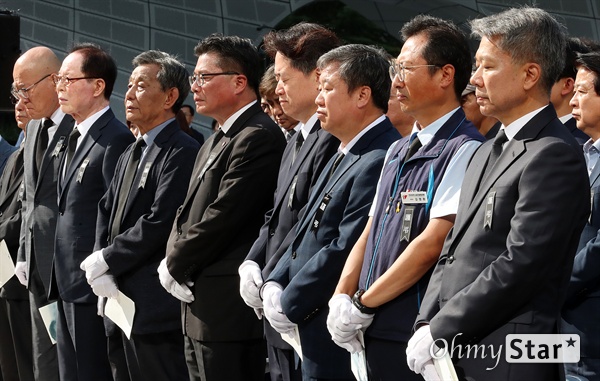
column 512, row 129
column 565, row 118
column 307, row 127
column 354, row 140
column 229, row 122
column 85, row 126
column 57, row 116
column 426, row 134
column 153, row 133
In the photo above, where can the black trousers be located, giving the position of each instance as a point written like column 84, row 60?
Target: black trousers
column 154, row 356
column 81, row 343
column 386, row 360
column 282, row 364
column 231, row 361
column 16, row 359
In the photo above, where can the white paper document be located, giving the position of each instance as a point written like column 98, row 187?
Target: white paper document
column 444, row 366
column 121, row 311
column 48, row 313
column 7, row 267
column 293, row 339
column 358, row 361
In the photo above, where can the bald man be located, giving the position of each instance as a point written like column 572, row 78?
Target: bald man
column 47, row 135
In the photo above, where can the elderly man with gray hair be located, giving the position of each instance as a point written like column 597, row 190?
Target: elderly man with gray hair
column 135, row 218
column 505, row 265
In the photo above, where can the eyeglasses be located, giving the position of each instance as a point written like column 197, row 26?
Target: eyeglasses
column 57, row 79
column 23, row 93
column 400, row 70
column 200, row 79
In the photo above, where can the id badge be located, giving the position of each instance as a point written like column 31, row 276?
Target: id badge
column 82, row 170
column 413, row 197
column 409, row 212
column 145, row 175
column 320, row 211
column 490, row 199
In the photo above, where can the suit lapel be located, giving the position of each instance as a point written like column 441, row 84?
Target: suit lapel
column 303, row 154
column 211, row 156
column 595, row 175
column 89, row 140
column 148, row 161
column 56, row 145
column 479, row 187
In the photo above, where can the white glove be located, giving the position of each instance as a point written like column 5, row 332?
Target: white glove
column 101, row 304
column 21, row 272
column 272, row 308
column 180, row 291
column 105, row 286
column 250, row 283
column 419, row 349
column 344, row 321
column 94, row 265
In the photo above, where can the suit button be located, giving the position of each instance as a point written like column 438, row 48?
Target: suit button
column 62, row 213
column 450, row 259
column 271, row 232
column 179, row 231
column 293, row 255
column 1, row 214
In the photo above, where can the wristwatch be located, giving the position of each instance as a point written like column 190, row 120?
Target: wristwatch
column 361, row 307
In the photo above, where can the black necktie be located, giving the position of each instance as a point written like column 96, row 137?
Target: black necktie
column 299, row 142
column 128, row 176
column 336, row 163
column 42, row 142
column 496, row 151
column 414, row 146
column 218, row 136
column 72, row 147
column 290, row 134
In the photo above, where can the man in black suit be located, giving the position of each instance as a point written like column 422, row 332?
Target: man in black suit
column 355, row 83
column 562, row 90
column 296, row 51
column 581, row 311
column 135, row 218
column 47, row 137
column 230, row 190
column 84, row 85
column 16, row 359
column 505, row 265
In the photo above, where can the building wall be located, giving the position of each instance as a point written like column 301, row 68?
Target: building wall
column 128, row 27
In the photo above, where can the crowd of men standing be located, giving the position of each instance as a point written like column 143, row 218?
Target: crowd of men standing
column 349, row 203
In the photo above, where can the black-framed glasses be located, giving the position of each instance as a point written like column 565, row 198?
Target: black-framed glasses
column 58, row 79
column 400, row 70
column 200, row 79
column 23, row 93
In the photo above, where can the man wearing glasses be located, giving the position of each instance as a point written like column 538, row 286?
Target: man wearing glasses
column 388, row 269
column 47, row 135
column 230, row 190
column 84, row 85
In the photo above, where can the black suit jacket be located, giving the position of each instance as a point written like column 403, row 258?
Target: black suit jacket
column 85, row 182
column 508, row 273
column 294, row 183
column 230, row 190
column 39, row 207
column 135, row 253
column 11, row 192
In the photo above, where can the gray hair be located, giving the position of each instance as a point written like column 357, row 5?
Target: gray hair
column 362, row 65
column 529, row 35
column 172, row 73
